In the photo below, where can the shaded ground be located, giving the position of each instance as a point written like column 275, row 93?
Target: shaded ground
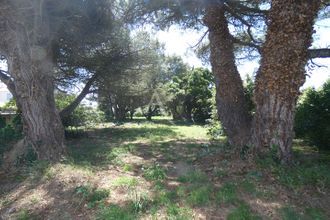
column 161, row 170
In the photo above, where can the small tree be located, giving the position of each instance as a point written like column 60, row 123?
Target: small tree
column 312, row 120
column 189, row 95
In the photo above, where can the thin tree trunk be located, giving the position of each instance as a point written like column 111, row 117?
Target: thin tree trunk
column 281, row 73
column 231, row 103
column 64, row 113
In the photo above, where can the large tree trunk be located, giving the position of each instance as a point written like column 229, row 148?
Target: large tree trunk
column 231, row 103
column 281, row 73
column 35, row 95
column 26, row 43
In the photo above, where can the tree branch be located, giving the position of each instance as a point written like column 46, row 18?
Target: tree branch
column 200, row 40
column 248, row 44
column 73, row 105
column 244, row 22
column 245, row 9
column 4, row 77
column 319, row 53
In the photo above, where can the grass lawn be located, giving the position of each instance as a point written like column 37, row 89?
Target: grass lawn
column 166, row 170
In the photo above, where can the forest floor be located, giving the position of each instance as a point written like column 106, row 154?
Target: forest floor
column 162, row 170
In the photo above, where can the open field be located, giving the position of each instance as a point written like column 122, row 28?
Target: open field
column 162, row 170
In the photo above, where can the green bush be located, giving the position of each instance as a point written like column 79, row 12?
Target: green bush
column 2, row 122
column 7, row 135
column 312, row 121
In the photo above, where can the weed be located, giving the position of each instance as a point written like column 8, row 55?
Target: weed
column 128, row 167
column 243, row 212
column 4, row 202
column 140, row 201
column 154, row 173
column 34, row 200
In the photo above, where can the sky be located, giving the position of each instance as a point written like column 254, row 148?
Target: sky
column 180, row 42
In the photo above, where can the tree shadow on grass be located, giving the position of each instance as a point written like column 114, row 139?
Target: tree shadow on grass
column 119, row 134
column 103, row 145
column 159, row 121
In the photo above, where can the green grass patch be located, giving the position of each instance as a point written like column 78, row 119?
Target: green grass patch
column 128, row 167
column 164, row 197
column 248, row 186
column 115, row 212
column 125, row 181
column 315, row 214
column 24, row 214
column 175, row 212
column 243, row 212
column 219, row 172
column 193, row 177
column 288, row 213
column 306, row 171
column 140, row 202
column 199, row 196
column 154, row 173
column 300, row 175
column 91, row 195
column 227, row 193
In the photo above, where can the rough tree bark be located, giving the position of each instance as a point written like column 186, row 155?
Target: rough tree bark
column 281, row 73
column 27, row 48
column 231, row 103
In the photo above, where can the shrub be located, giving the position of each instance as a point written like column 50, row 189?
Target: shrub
column 215, row 130
column 2, row 122
column 312, row 120
column 7, row 135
